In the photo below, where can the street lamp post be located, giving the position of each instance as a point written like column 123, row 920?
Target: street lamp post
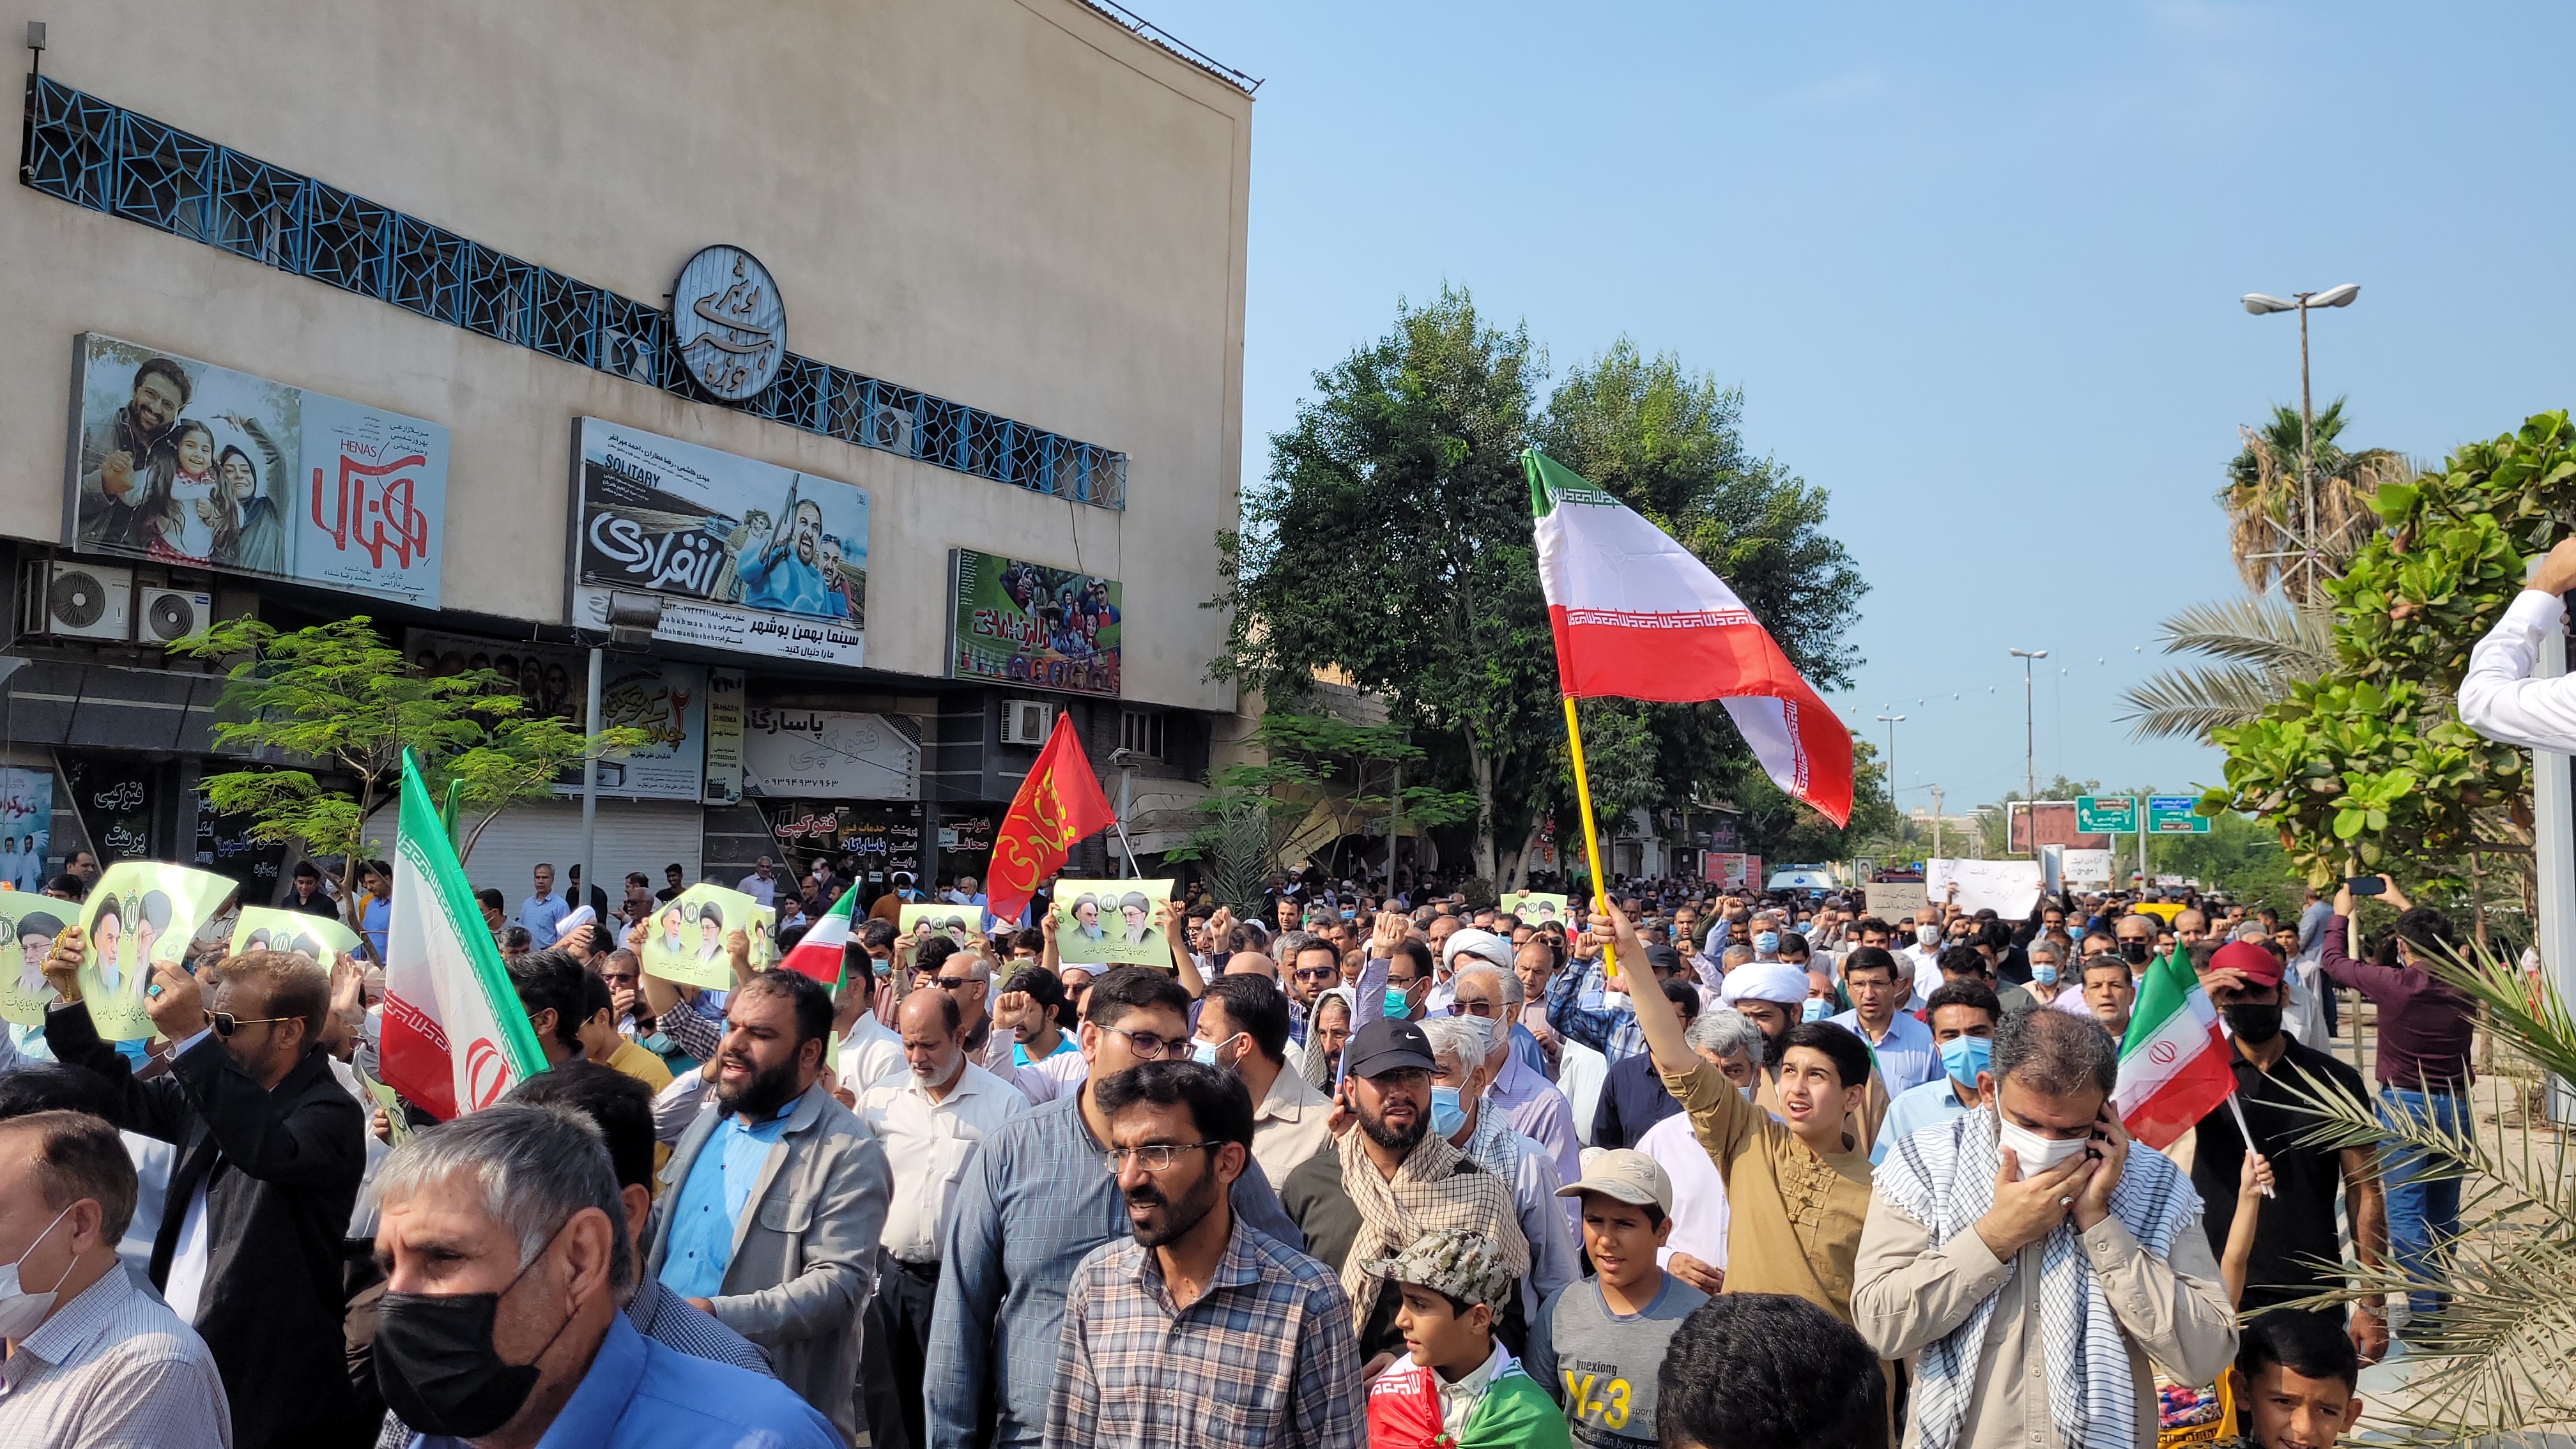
column 2029, row 767
column 2305, row 538
column 1891, row 721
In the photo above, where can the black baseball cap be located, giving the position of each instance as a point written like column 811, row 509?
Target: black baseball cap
column 1386, row 1045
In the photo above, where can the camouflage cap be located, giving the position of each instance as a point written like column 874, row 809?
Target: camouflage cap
column 1466, row 1266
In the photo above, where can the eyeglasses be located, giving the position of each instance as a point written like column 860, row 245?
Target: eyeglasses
column 225, row 1023
column 1464, row 1006
column 1319, row 973
column 1150, row 1044
column 1153, row 1157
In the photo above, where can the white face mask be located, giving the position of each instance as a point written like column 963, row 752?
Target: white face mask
column 20, row 1310
column 1927, row 935
column 2038, row 1154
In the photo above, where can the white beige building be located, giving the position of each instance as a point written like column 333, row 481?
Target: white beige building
column 985, row 267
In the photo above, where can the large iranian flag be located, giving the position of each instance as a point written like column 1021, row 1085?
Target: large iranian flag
column 454, row 1036
column 817, row 953
column 1637, row 616
column 2174, row 1066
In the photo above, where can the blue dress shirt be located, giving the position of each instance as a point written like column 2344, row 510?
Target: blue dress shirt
column 641, row 1395
column 711, row 1201
column 1914, row 1110
column 1906, row 1057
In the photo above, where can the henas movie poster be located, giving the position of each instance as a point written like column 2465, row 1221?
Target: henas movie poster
column 745, row 555
column 183, row 462
column 1018, row 622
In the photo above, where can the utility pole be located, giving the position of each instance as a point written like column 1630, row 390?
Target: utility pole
column 2029, row 769
column 1936, row 822
column 1891, row 721
column 2305, row 542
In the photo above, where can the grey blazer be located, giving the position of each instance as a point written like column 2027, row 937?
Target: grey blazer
column 804, row 1250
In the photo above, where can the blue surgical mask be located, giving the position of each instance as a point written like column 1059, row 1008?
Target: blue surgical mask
column 1962, row 1057
column 1203, row 1052
column 2044, row 973
column 1446, row 1115
column 1766, row 943
column 1396, row 1005
column 1816, row 1009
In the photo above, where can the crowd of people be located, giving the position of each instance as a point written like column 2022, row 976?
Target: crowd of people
column 1390, row 1170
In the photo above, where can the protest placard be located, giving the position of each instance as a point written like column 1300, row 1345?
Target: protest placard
column 685, row 941
column 1111, row 922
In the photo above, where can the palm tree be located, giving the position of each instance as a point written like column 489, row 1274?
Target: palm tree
column 2266, row 507
column 2262, row 646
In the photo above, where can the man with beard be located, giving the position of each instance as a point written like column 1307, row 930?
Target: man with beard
column 787, row 578
column 117, row 456
column 1395, row 1179
column 1031, row 1205
column 773, row 1204
column 1200, row 1308
column 2277, row 1078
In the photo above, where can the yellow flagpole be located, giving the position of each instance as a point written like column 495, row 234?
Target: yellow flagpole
column 1591, row 836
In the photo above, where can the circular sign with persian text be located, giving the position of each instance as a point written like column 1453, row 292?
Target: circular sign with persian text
column 729, row 322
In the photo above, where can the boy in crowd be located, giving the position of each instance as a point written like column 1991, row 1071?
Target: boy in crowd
column 2296, row 1374
column 1597, row 1342
column 1456, row 1386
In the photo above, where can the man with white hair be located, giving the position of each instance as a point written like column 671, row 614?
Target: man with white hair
column 1491, row 996
column 506, row 1259
column 1466, row 1061
column 1696, row 1252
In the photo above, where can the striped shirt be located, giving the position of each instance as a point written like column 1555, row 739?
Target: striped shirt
column 113, row 1369
column 1264, row 1358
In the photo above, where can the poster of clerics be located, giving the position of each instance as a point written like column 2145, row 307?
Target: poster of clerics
column 745, row 555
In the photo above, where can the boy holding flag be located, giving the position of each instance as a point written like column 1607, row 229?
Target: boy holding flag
column 1456, row 1387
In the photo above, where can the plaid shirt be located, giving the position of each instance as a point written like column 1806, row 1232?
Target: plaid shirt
column 1265, row 1358
column 115, row 1367
column 1614, row 1034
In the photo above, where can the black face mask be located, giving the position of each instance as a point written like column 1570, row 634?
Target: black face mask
column 2135, row 952
column 437, row 1366
column 2252, row 1022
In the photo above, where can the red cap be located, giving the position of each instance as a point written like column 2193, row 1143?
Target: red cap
column 2258, row 966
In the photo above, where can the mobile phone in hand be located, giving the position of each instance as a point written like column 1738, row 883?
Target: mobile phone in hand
column 2366, row 885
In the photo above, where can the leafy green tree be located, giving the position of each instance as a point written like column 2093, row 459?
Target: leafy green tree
column 2265, row 501
column 336, row 697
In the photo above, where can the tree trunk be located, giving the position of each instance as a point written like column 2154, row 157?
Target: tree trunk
column 1480, row 766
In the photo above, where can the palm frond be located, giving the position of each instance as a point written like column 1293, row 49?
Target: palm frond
column 2189, row 703
column 2263, row 631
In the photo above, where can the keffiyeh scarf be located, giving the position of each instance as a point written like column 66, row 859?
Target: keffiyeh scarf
column 1427, row 1194
column 1944, row 1179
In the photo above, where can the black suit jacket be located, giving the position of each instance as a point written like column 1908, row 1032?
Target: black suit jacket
column 281, row 1172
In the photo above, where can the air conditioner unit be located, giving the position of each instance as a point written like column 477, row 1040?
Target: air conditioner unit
column 78, row 600
column 166, row 616
column 1026, row 721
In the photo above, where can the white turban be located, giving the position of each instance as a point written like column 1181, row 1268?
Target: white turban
column 1484, row 945
column 1764, row 981
column 574, row 921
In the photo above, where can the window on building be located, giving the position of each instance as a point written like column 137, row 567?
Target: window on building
column 1141, row 732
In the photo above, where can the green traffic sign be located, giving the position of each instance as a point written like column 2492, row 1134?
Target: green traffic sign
column 2106, row 814
column 2176, row 815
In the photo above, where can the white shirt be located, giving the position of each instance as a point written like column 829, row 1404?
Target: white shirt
column 928, row 1144
column 763, row 891
column 1927, row 970
column 1459, row 1400
column 871, row 1055
column 1699, row 1194
column 188, row 1257
column 2499, row 698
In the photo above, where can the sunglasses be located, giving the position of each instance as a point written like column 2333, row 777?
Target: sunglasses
column 225, row 1023
column 955, row 983
column 1319, row 973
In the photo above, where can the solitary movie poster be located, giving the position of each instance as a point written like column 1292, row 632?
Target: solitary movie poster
column 187, row 463
column 1022, row 623
column 747, row 556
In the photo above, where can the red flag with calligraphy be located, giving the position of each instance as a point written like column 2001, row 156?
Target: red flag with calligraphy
column 1059, row 803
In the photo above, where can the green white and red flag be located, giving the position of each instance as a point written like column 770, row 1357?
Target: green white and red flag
column 818, row 952
column 1638, row 616
column 2174, row 1065
column 454, row 1036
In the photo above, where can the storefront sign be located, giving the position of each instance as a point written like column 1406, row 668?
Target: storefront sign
column 804, row 752
column 745, row 556
column 724, row 736
column 188, row 463
column 668, row 701
column 1021, row 623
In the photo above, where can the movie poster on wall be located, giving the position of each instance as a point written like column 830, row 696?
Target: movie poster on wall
column 184, row 462
column 665, row 699
column 745, row 555
column 1021, row 623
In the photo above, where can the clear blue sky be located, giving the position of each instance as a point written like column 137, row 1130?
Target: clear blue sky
column 1976, row 271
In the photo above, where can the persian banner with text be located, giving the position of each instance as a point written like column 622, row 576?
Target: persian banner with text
column 187, row 463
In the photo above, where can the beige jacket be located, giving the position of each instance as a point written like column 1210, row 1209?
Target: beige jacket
column 804, row 1250
column 1905, row 1296
column 1288, row 1124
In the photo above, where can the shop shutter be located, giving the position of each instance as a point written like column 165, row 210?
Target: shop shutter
column 643, row 835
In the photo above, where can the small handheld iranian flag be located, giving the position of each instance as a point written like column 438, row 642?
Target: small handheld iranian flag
column 1638, row 616
column 454, row 1035
column 2174, row 1066
column 818, row 951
